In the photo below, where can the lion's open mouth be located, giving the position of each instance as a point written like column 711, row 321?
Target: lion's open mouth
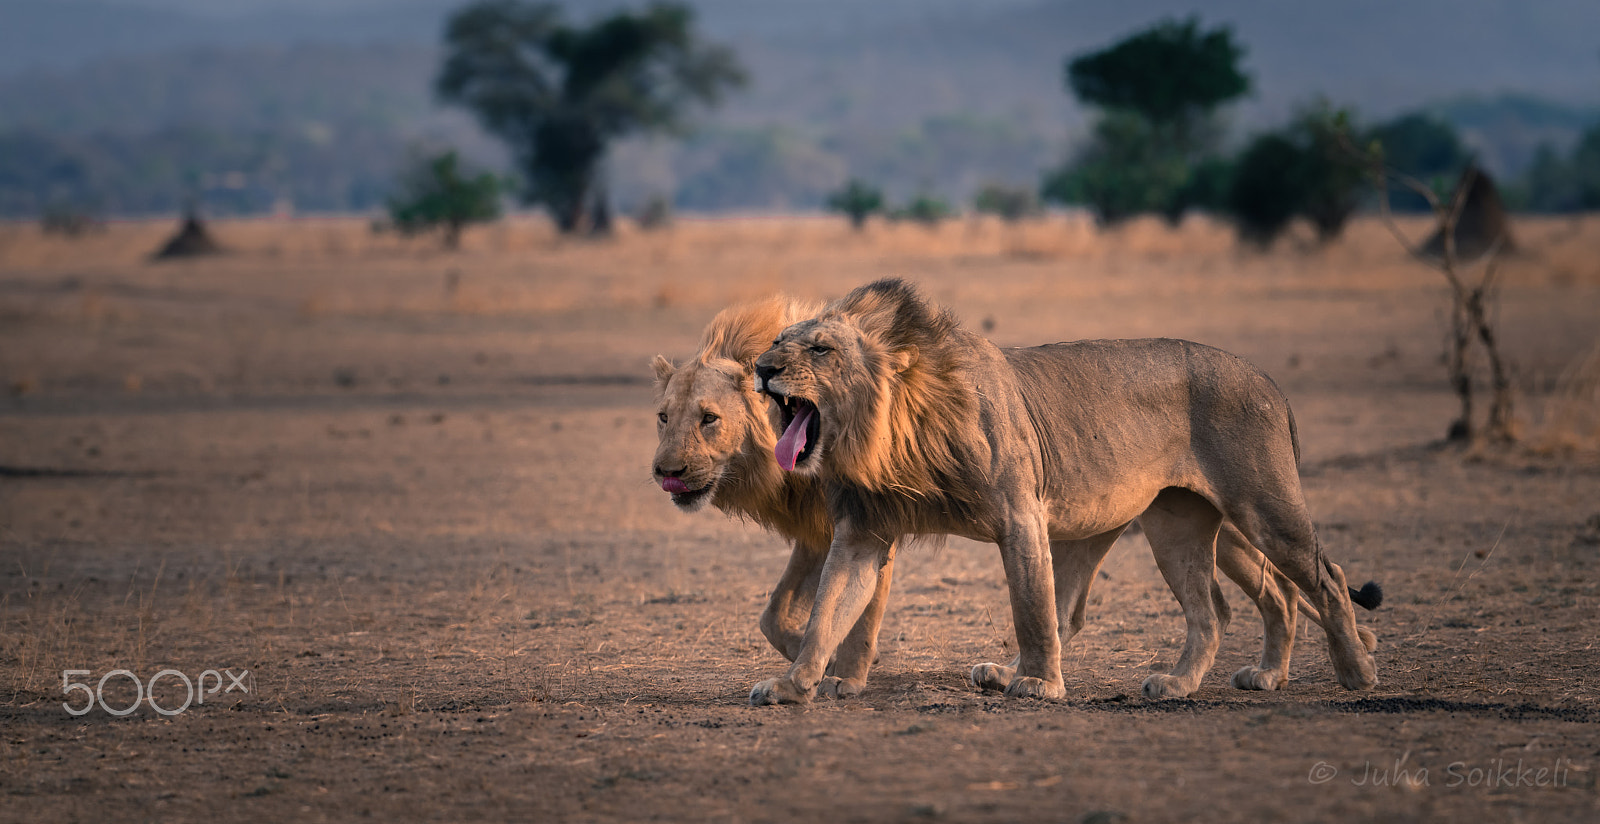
column 802, row 428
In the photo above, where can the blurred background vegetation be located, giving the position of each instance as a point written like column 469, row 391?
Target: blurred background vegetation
column 133, row 107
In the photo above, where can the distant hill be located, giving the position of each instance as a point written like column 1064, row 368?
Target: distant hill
column 937, row 95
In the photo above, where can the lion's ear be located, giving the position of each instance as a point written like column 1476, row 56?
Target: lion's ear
column 903, row 359
column 664, row 370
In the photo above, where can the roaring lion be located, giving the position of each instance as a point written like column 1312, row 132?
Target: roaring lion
column 717, row 444
column 915, row 426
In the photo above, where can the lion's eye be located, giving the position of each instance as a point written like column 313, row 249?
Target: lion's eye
column 819, row 349
column 708, row 419
column 661, row 416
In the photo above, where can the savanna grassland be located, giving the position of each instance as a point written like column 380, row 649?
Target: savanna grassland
column 408, row 491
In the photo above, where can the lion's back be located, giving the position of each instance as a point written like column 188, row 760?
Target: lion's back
column 1148, row 400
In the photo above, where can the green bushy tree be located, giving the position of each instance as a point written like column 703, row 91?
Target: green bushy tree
column 1267, row 192
column 1205, row 188
column 858, row 200
column 559, row 95
column 1125, row 170
column 1009, row 203
column 1424, row 147
column 1556, row 184
column 1333, row 174
column 1158, row 92
column 1173, row 75
column 926, row 209
column 436, row 194
column 1312, row 169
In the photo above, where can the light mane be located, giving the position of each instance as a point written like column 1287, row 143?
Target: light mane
column 755, row 487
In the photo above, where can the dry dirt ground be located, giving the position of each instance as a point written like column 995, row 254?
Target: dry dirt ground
column 408, row 492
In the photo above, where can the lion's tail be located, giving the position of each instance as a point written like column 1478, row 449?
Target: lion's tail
column 1369, row 596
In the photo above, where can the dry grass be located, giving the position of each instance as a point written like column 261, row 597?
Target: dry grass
column 520, row 266
column 410, row 488
column 1571, row 420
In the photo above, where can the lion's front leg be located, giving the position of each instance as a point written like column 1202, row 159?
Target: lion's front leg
column 1182, row 528
column 851, row 578
column 847, row 676
column 1025, row 552
column 1074, row 564
column 783, row 622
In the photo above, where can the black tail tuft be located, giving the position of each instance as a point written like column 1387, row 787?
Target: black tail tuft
column 1370, row 595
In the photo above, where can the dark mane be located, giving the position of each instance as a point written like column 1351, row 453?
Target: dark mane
column 920, row 474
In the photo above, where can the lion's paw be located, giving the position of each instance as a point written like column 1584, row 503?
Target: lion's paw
column 1363, row 675
column 778, row 691
column 992, row 677
column 1164, row 686
column 1256, row 678
column 832, row 687
column 1029, row 687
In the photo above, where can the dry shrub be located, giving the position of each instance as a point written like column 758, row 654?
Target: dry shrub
column 1572, row 413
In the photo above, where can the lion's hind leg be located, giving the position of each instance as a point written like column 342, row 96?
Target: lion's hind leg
column 1282, row 531
column 1182, row 528
column 1277, row 599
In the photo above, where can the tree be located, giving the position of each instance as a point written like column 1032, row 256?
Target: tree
column 1124, row 171
column 925, row 209
column 858, row 200
column 1158, row 90
column 1333, row 178
column 434, row 194
column 1010, row 203
column 1549, row 185
column 559, row 94
column 1305, row 170
column 1205, row 189
column 1173, row 75
column 1556, row 184
column 1470, row 312
column 1424, row 148
column 1586, row 169
column 1267, row 191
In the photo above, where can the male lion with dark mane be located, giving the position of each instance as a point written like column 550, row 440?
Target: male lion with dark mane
column 915, row 426
column 717, row 444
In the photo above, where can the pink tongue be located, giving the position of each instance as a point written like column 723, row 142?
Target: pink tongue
column 674, row 485
column 793, row 441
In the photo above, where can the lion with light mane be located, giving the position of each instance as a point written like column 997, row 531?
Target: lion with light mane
column 717, row 444
column 915, row 426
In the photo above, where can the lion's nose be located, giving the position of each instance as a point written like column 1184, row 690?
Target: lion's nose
column 664, row 472
column 767, row 373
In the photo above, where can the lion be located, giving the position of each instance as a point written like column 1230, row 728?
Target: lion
column 717, row 444
column 915, row 426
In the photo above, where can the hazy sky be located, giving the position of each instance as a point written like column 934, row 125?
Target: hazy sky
column 237, row 6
